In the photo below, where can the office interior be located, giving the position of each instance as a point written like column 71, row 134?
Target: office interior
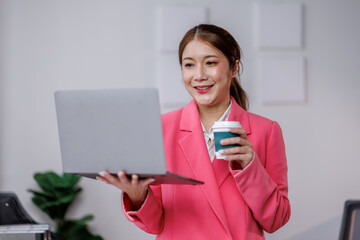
column 76, row 44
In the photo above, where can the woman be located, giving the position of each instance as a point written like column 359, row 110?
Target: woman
column 243, row 195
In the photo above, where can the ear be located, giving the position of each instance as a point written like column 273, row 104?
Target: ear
column 235, row 69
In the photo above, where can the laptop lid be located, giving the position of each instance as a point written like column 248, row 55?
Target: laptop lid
column 112, row 130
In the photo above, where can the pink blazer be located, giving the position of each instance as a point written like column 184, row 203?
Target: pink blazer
column 231, row 204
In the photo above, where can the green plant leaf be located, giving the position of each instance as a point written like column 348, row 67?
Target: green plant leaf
column 44, row 194
column 83, row 220
column 44, row 183
column 51, row 182
column 57, row 181
column 70, row 180
column 58, row 193
column 41, row 203
column 56, row 208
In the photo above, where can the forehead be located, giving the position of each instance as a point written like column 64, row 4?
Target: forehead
column 200, row 48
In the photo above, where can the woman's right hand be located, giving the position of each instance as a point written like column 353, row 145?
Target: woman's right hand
column 135, row 189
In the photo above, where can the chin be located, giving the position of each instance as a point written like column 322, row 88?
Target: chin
column 204, row 101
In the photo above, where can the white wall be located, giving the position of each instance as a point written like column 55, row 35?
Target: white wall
column 50, row 45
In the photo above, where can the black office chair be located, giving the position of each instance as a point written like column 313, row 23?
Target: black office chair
column 11, row 210
column 12, row 213
column 350, row 226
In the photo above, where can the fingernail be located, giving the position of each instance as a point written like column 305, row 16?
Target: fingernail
column 153, row 180
column 101, row 174
column 221, row 151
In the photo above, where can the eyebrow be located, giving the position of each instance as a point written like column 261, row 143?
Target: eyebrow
column 207, row 56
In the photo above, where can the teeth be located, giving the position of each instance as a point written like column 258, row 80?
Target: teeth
column 202, row 88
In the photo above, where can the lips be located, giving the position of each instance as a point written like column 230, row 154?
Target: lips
column 203, row 89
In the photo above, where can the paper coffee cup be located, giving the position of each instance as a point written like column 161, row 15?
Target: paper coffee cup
column 221, row 131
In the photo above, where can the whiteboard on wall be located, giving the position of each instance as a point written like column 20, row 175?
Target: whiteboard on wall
column 278, row 25
column 282, row 79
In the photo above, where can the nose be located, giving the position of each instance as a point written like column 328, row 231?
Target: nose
column 200, row 73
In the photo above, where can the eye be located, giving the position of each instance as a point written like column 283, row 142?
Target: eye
column 187, row 65
column 210, row 63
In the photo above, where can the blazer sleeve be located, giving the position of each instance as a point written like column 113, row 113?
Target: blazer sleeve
column 150, row 216
column 265, row 188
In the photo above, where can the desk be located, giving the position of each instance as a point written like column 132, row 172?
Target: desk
column 25, row 232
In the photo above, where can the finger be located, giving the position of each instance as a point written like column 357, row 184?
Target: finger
column 229, row 141
column 110, row 178
column 147, row 181
column 123, row 178
column 102, row 179
column 239, row 157
column 237, row 150
column 134, row 179
column 239, row 131
column 236, row 140
column 230, row 151
column 245, row 142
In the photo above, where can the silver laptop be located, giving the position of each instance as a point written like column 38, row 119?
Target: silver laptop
column 113, row 130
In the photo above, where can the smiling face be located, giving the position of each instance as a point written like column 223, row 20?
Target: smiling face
column 207, row 75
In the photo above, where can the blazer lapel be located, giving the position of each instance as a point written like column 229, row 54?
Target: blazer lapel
column 194, row 148
column 240, row 115
column 221, row 167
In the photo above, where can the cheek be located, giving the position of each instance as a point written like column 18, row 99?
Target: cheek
column 219, row 72
column 220, row 77
column 224, row 75
column 186, row 77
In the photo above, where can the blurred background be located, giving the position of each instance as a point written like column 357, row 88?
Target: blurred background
column 52, row 45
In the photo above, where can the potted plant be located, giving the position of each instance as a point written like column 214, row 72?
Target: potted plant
column 58, row 193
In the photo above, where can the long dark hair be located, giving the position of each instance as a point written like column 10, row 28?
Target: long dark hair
column 223, row 41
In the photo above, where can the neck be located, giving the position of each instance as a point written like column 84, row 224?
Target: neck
column 208, row 115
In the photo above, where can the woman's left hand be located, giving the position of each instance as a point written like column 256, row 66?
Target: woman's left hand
column 242, row 154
